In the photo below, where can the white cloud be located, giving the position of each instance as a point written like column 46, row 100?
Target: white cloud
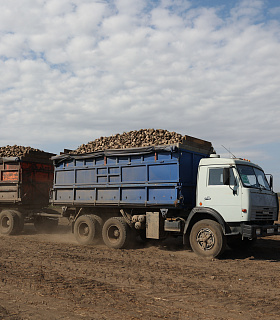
column 125, row 7
column 248, row 10
column 61, row 7
column 73, row 70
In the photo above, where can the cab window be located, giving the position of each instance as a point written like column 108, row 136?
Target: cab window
column 216, row 177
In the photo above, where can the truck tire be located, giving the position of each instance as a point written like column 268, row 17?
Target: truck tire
column 45, row 224
column 98, row 226
column 115, row 233
column 207, row 239
column 20, row 225
column 9, row 222
column 85, row 230
column 19, row 221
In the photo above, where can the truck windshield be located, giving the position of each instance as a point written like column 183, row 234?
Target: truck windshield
column 253, row 177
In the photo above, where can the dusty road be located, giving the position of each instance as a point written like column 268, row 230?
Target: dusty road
column 52, row 277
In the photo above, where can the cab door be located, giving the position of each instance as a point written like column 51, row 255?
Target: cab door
column 214, row 193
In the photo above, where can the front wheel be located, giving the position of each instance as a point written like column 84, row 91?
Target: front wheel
column 207, row 239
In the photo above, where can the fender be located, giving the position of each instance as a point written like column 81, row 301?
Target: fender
column 208, row 211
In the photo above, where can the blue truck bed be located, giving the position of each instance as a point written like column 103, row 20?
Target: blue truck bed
column 157, row 176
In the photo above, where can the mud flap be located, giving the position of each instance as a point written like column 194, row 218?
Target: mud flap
column 154, row 225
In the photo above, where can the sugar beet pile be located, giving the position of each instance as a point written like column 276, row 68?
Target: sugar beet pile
column 17, row 151
column 132, row 139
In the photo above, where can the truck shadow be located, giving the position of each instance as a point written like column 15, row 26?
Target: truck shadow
column 170, row 244
column 265, row 249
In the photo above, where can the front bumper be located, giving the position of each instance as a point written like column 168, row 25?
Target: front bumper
column 255, row 231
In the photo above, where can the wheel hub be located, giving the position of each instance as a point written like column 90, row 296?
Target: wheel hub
column 84, row 230
column 116, row 233
column 113, row 233
column 6, row 223
column 205, row 239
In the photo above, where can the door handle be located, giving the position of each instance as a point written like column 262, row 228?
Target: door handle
column 207, row 198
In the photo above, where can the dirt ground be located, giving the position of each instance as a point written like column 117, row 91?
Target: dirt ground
column 46, row 276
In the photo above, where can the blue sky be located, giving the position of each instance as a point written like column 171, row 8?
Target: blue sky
column 72, row 71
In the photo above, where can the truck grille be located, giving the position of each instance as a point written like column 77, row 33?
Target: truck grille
column 263, row 214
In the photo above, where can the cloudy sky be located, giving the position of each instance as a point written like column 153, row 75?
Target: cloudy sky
column 75, row 70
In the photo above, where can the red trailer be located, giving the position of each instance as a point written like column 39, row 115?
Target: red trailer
column 25, row 184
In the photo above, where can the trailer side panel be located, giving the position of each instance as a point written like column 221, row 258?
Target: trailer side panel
column 159, row 177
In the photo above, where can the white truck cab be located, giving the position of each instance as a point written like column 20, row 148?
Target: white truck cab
column 237, row 189
column 235, row 204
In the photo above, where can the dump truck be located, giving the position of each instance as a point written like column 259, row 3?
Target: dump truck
column 179, row 190
column 25, row 183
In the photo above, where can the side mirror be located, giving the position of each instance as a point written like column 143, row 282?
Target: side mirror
column 226, row 177
column 270, row 180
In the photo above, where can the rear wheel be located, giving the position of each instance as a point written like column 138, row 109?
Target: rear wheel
column 85, row 230
column 115, row 233
column 98, row 226
column 207, row 239
column 9, row 222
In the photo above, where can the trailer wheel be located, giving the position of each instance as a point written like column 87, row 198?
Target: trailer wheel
column 115, row 233
column 45, row 224
column 85, row 230
column 207, row 239
column 20, row 218
column 9, row 222
column 19, row 221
